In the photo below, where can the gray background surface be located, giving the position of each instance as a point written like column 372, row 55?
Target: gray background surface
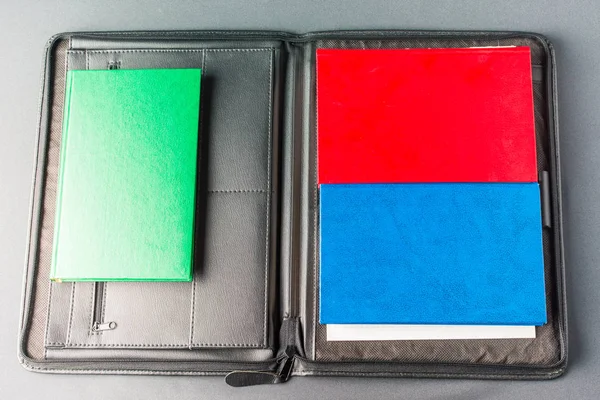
column 574, row 28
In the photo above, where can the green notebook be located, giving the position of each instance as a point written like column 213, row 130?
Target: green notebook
column 127, row 179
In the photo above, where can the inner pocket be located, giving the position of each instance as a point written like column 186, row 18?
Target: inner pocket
column 129, row 314
column 227, row 304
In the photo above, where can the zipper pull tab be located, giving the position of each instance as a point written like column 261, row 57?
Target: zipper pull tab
column 108, row 326
column 251, row 378
column 285, row 367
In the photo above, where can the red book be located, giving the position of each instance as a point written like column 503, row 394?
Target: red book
column 425, row 115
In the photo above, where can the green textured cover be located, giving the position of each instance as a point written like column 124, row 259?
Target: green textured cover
column 127, row 179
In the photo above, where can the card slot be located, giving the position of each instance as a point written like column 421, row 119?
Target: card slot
column 230, row 288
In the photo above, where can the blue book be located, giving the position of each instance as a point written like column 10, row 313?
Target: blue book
column 438, row 253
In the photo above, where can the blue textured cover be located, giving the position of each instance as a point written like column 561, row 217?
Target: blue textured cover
column 432, row 254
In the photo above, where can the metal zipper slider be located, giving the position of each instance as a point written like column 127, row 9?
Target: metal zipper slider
column 285, row 368
column 251, row 378
column 107, row 326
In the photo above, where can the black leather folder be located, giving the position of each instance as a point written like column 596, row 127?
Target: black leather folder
column 251, row 312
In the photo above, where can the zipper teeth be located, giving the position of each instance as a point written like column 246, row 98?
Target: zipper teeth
column 294, row 223
column 301, row 38
column 98, row 303
column 421, row 364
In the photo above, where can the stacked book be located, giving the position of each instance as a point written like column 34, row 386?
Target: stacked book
column 430, row 221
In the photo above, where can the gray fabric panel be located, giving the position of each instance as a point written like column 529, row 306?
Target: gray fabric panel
column 543, row 350
column 42, row 289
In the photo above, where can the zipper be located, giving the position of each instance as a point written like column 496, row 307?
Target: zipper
column 285, row 367
column 98, row 325
column 306, row 37
column 252, row 378
column 294, row 273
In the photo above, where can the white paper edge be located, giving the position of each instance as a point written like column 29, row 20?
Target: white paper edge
column 358, row 332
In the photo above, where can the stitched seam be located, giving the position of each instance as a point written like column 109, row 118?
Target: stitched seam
column 123, row 371
column 414, row 374
column 50, row 285
column 192, row 315
column 237, row 191
column 315, row 208
column 315, row 373
column 193, row 311
column 104, row 302
column 237, row 50
column 267, row 213
column 91, row 312
column 268, row 207
column 71, row 312
column 183, row 345
column 48, row 316
column 201, row 33
column 188, row 345
column 101, row 318
column 129, row 371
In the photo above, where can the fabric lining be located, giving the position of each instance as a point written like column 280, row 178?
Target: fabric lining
column 545, row 348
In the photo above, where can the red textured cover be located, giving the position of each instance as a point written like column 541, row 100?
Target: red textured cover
column 425, row 115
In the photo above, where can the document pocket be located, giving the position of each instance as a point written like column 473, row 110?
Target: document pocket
column 227, row 303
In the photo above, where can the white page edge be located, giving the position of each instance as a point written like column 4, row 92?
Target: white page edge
column 377, row 332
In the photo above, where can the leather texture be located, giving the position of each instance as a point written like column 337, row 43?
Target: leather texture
column 233, row 221
column 294, row 111
column 438, row 253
